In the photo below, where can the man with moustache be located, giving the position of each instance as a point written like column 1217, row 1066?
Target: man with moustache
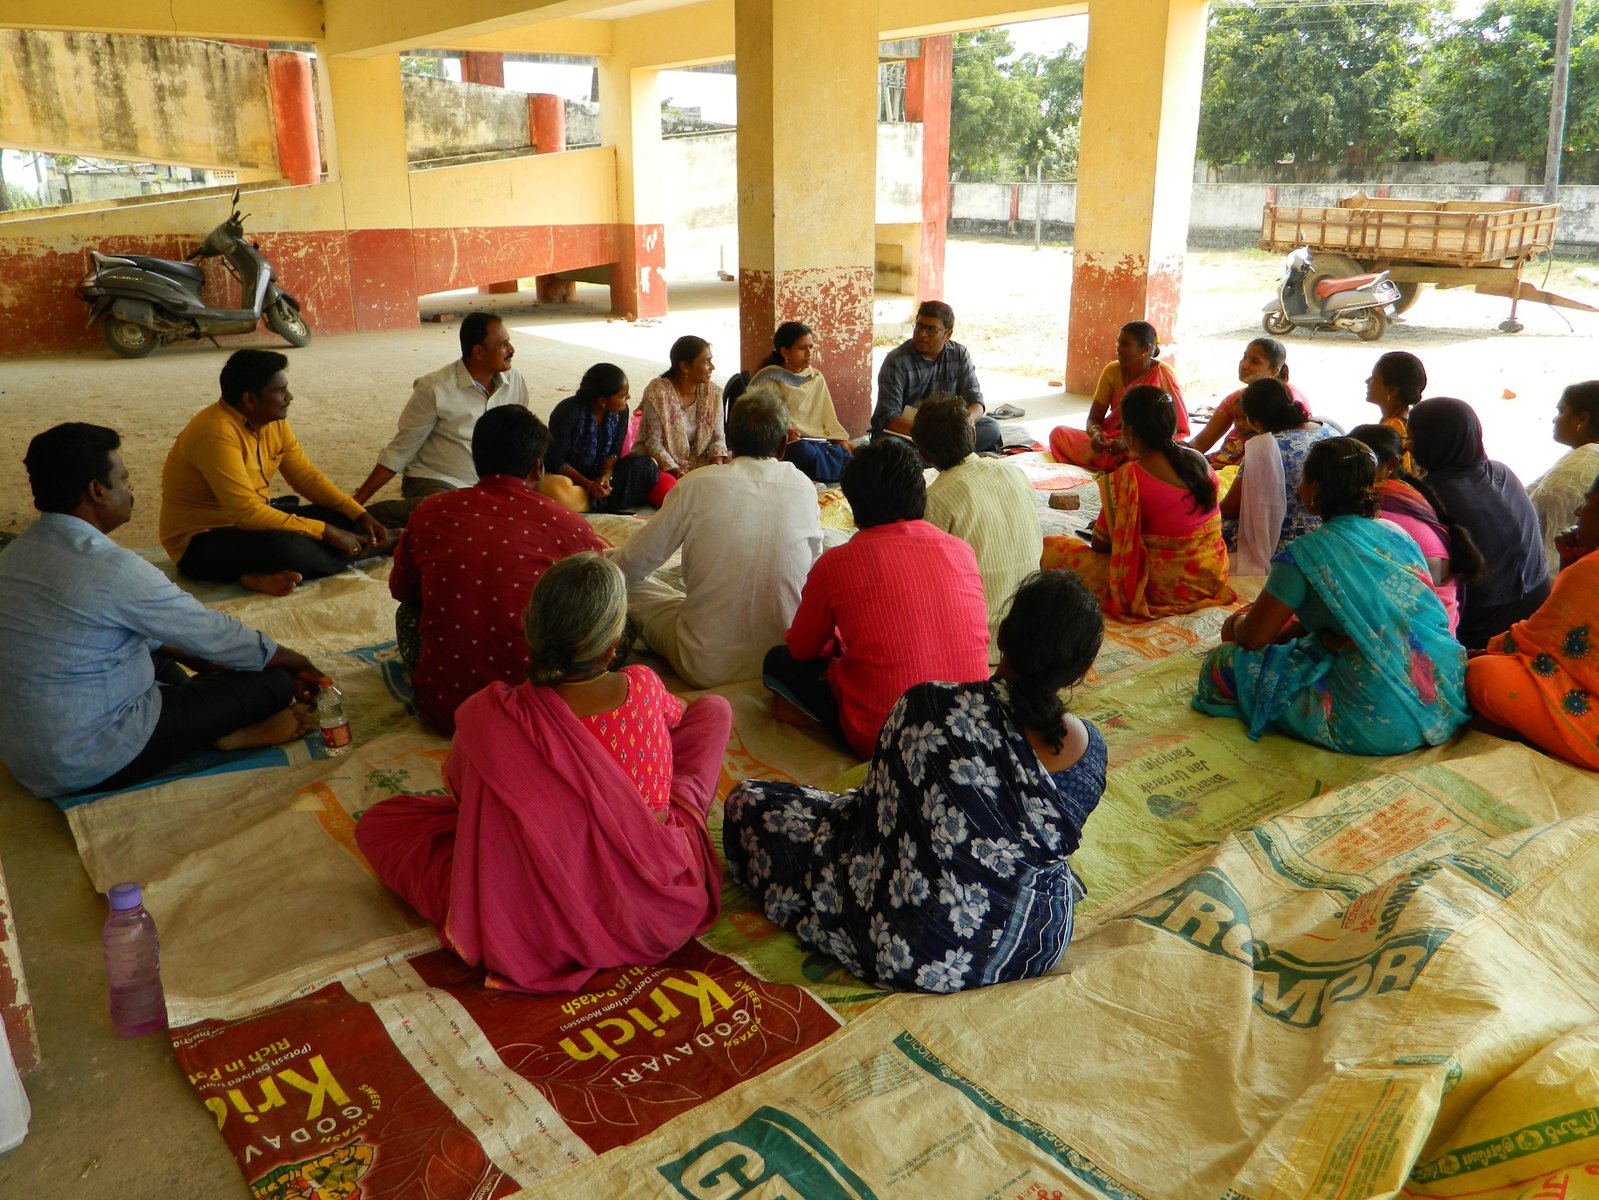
column 219, row 520
column 91, row 636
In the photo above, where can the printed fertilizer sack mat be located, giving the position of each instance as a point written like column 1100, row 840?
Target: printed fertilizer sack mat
column 411, row 1079
column 1391, row 987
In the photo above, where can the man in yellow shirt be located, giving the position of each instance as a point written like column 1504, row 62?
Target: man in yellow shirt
column 219, row 521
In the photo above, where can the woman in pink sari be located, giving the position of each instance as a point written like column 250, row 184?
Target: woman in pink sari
column 1100, row 447
column 573, row 835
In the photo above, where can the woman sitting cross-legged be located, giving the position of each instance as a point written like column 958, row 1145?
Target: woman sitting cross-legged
column 585, row 467
column 1541, row 678
column 573, row 836
column 949, row 868
column 1264, row 358
column 1261, row 512
column 1100, row 446
column 818, row 443
column 1157, row 549
column 1347, row 646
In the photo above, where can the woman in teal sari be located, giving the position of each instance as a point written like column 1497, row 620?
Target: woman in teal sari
column 1348, row 647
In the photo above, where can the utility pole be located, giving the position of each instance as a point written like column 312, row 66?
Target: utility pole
column 1557, row 104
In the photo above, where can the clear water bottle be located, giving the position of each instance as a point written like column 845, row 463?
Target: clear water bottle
column 336, row 736
column 133, row 964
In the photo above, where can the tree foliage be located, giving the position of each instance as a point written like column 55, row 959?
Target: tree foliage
column 1009, row 111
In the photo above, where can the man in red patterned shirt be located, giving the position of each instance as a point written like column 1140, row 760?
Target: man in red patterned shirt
column 900, row 603
column 469, row 560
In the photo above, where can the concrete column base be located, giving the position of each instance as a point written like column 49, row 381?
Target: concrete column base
column 1108, row 290
column 836, row 302
column 638, row 285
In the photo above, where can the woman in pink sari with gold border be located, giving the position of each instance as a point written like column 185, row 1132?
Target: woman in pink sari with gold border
column 1100, row 447
column 1157, row 548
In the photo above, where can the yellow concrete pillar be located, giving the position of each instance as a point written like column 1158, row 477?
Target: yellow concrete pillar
column 368, row 158
column 1141, row 87
column 630, row 121
column 807, row 163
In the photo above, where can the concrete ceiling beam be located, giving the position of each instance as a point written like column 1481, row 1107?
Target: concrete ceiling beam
column 257, row 20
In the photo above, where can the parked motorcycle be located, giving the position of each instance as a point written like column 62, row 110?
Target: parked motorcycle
column 144, row 302
column 1320, row 300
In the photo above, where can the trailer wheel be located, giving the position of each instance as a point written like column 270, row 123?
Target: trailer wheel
column 1375, row 325
column 1409, row 293
column 1277, row 322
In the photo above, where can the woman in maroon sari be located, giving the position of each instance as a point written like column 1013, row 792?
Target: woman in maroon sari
column 573, row 835
column 1100, row 447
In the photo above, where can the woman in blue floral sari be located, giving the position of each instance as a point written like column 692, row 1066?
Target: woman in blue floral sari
column 949, row 868
column 1348, row 646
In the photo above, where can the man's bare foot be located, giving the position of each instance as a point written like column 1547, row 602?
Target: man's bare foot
column 289, row 725
column 279, row 583
column 787, row 713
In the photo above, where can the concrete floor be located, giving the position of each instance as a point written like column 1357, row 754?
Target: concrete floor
column 114, row 1118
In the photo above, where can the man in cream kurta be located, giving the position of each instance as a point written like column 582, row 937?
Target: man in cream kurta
column 749, row 532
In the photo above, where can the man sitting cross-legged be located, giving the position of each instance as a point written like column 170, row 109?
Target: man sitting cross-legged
column 985, row 502
column 900, row 603
column 749, row 531
column 468, row 561
column 219, row 521
column 90, row 635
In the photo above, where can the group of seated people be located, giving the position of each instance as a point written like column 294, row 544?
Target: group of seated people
column 936, row 642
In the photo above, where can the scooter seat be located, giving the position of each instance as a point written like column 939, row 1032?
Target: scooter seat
column 166, row 266
column 1331, row 287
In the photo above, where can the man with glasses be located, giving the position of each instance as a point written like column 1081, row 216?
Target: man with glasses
column 926, row 364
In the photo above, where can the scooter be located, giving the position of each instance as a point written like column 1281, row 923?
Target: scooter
column 1318, row 300
column 144, row 302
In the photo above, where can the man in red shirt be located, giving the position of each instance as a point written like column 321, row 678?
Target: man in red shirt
column 900, row 603
column 469, row 560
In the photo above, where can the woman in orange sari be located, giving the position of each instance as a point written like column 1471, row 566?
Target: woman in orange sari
column 1101, row 446
column 1157, row 548
column 1540, row 679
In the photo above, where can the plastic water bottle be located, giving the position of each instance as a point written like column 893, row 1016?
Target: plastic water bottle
column 336, row 736
column 133, row 964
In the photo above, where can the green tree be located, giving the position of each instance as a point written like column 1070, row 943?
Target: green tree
column 1009, row 111
column 1310, row 82
column 432, row 67
column 1484, row 87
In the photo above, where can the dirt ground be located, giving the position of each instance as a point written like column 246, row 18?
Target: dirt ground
column 86, row 1141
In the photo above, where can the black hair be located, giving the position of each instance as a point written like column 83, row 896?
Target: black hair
column 940, row 310
column 943, row 430
column 475, row 331
column 1144, row 334
column 786, row 335
column 1345, row 474
column 1269, row 404
column 883, row 483
column 1404, row 373
column 248, row 371
column 601, row 382
column 684, row 351
column 1465, row 559
column 1584, row 398
column 1276, row 354
column 757, row 424
column 62, row 462
column 1152, row 415
column 508, row 440
column 1050, row 636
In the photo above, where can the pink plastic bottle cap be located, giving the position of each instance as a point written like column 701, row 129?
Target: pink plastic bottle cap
column 125, row 896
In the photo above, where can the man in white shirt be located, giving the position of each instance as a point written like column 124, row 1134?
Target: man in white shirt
column 749, row 532
column 433, row 445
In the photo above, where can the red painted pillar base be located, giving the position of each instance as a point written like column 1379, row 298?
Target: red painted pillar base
column 928, row 81
column 483, row 66
column 383, row 287
column 546, row 120
column 836, row 302
column 638, row 286
column 294, row 116
column 1107, row 292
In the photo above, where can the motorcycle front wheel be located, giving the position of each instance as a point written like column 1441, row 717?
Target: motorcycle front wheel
column 1374, row 326
column 1276, row 322
column 127, row 340
column 285, row 320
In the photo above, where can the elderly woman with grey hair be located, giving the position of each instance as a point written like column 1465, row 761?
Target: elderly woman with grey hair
column 573, row 835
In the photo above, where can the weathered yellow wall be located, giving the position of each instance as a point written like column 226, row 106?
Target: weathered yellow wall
column 188, row 215
column 578, row 187
column 163, row 100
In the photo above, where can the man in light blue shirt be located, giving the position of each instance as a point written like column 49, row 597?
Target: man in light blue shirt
column 90, row 635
